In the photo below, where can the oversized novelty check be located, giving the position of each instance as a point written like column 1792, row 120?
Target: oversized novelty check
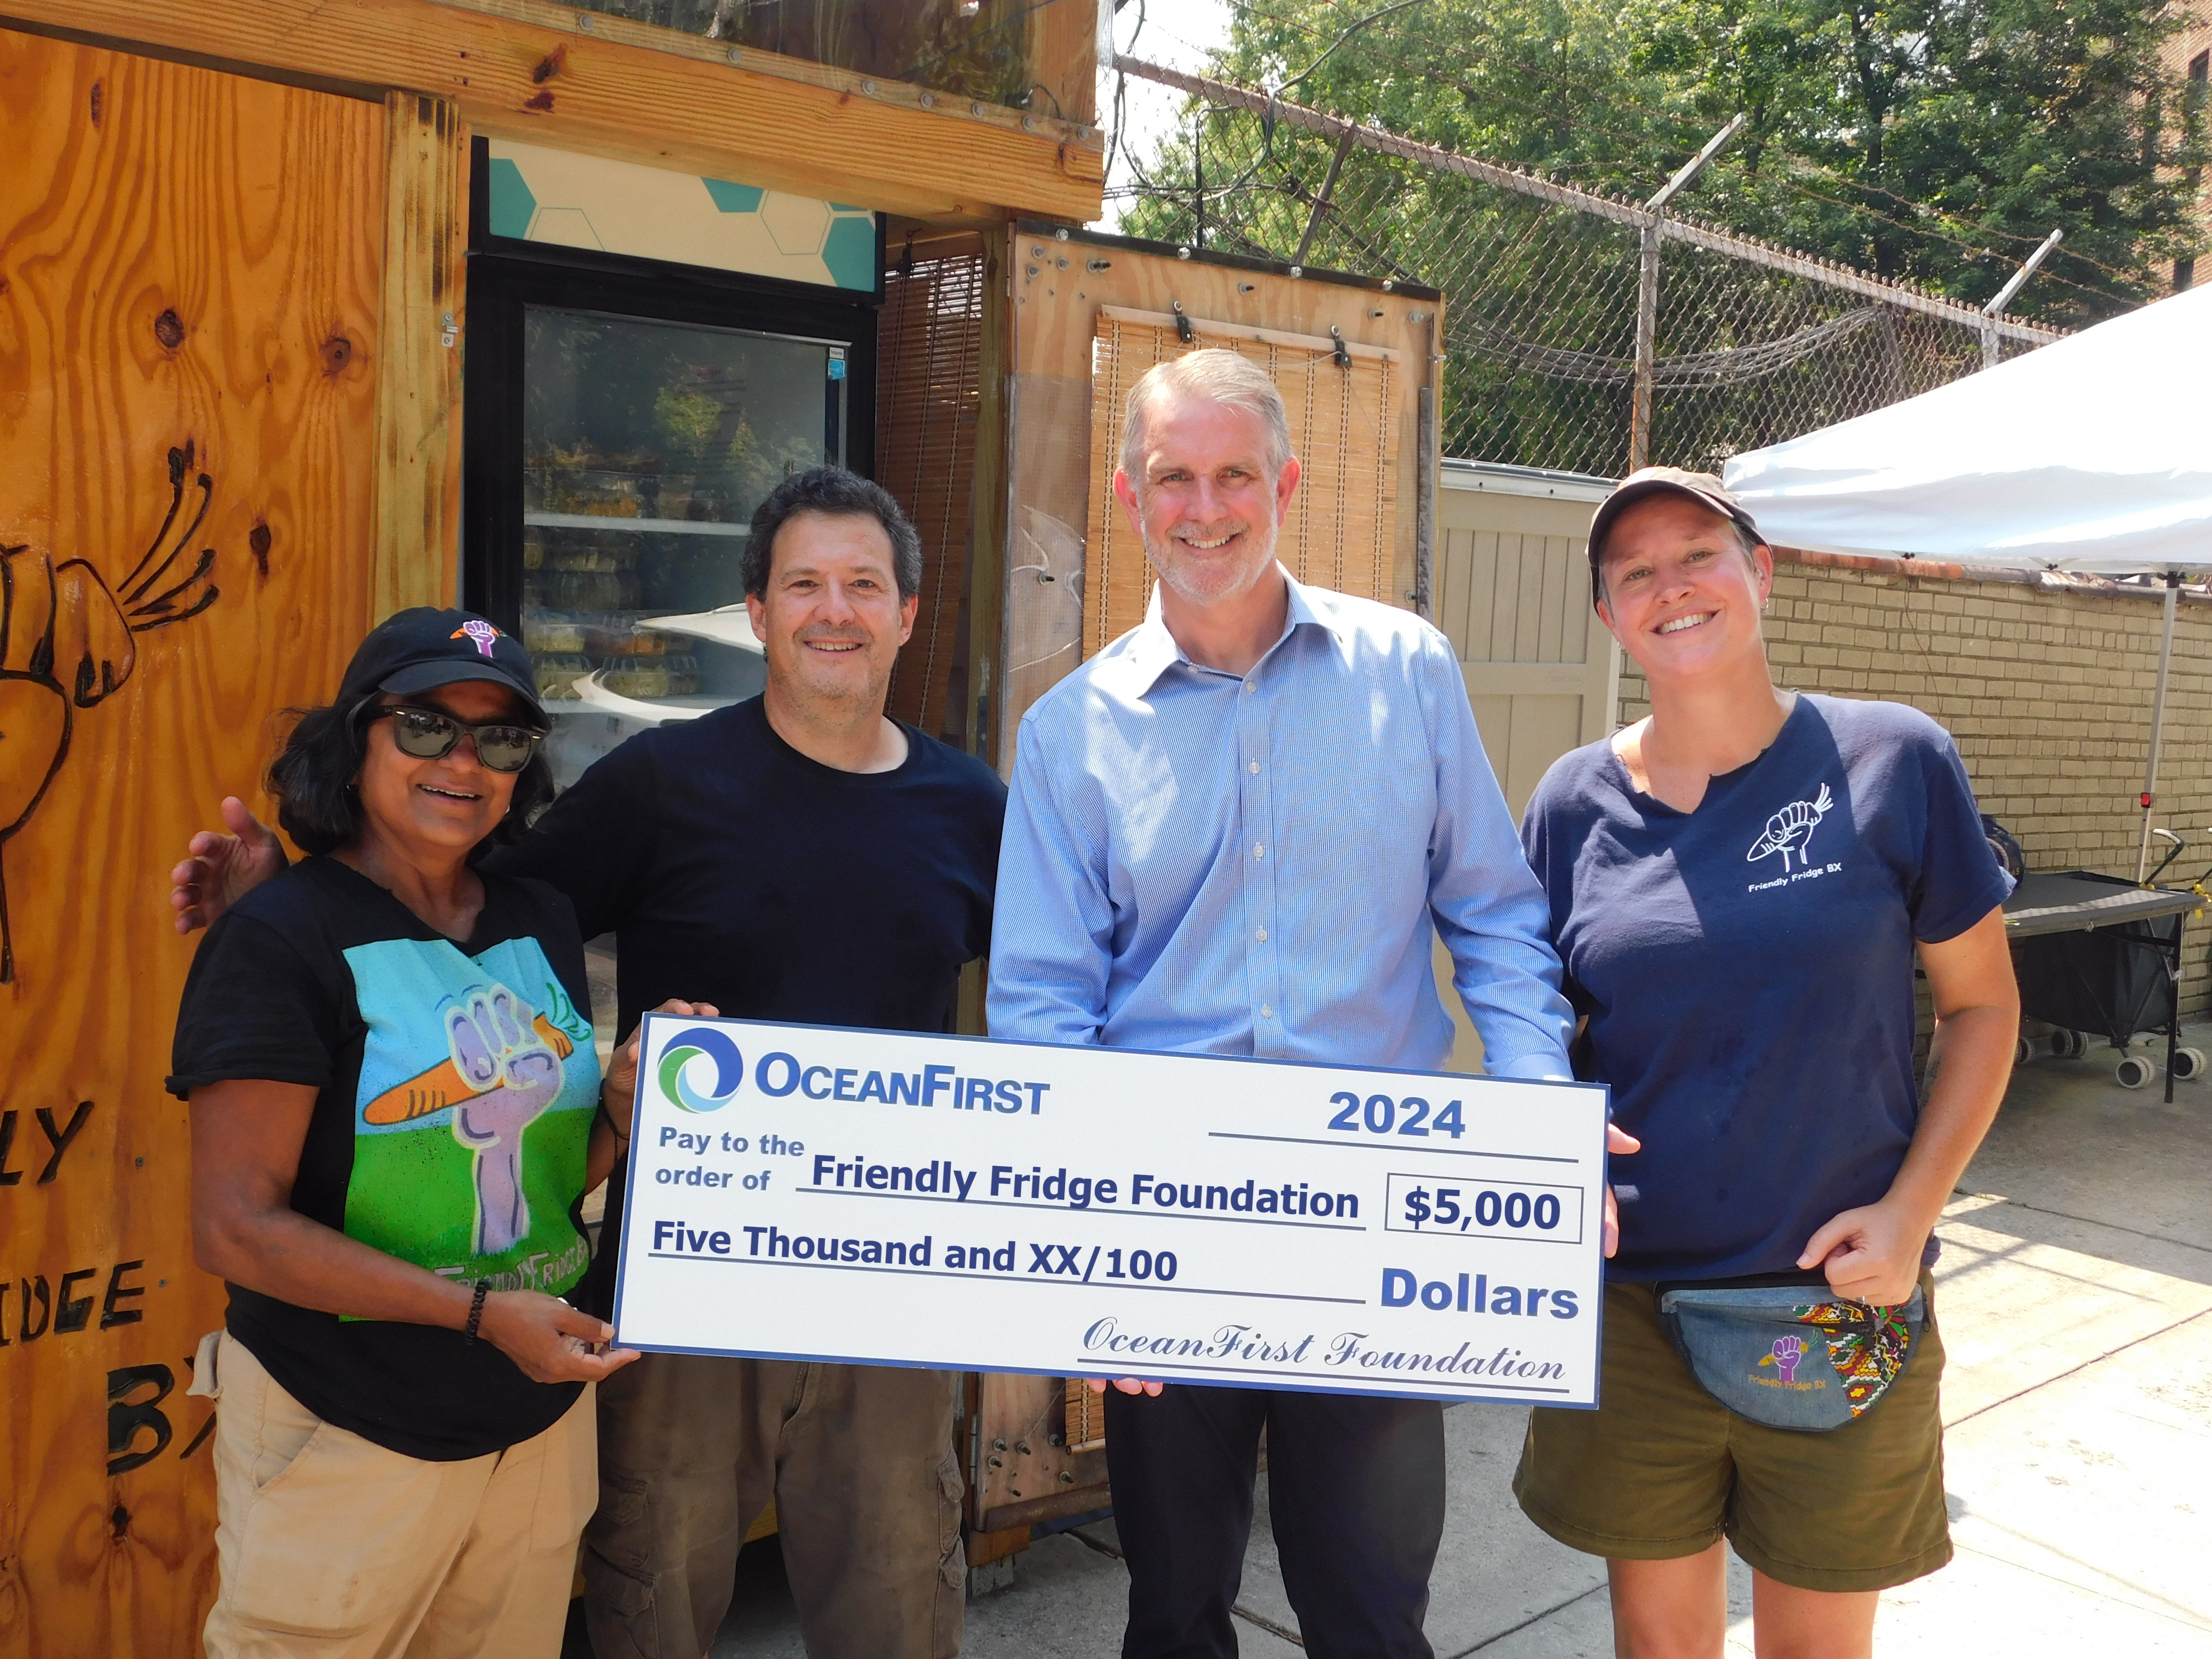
column 805, row 1191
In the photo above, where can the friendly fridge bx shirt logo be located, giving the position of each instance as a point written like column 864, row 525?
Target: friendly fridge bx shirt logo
column 1789, row 830
column 698, row 1056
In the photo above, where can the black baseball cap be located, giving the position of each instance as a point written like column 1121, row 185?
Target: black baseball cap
column 1703, row 488
column 417, row 649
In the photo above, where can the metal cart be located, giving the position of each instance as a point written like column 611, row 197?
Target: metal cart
column 2101, row 954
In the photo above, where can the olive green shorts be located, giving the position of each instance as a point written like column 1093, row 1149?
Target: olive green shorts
column 1662, row 1469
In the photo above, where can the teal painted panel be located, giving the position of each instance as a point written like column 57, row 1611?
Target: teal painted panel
column 512, row 206
column 733, row 199
column 849, row 252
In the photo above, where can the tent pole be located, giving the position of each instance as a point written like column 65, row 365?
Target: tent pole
column 2158, row 718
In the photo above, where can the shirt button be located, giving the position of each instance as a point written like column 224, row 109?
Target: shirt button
column 1261, row 936
column 1266, row 1011
column 1255, row 769
column 1258, row 851
column 1249, row 686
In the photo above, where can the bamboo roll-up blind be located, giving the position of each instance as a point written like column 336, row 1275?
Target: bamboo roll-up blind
column 1342, row 399
column 928, row 396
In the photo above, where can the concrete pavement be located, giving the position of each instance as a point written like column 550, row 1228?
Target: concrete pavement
column 2075, row 1292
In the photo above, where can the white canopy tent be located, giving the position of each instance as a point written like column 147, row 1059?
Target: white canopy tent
column 2092, row 454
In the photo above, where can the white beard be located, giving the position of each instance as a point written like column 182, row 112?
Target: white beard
column 1200, row 584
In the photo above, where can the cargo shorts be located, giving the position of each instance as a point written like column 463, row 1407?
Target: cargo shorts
column 1662, row 1469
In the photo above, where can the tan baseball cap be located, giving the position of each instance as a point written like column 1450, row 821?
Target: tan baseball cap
column 1703, row 488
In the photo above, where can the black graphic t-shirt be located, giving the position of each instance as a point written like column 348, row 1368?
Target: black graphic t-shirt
column 733, row 870
column 1747, row 972
column 456, row 1088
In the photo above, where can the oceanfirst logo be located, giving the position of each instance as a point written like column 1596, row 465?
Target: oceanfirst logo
column 695, row 1056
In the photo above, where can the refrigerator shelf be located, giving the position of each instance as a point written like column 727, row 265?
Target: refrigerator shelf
column 635, row 526
column 596, row 698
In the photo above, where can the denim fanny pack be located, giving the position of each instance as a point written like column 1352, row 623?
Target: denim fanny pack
column 1791, row 1356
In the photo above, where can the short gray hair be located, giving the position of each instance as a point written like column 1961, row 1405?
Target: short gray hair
column 1216, row 375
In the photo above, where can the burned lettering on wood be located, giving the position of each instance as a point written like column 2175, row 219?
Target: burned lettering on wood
column 110, row 1315
column 8, row 1177
column 66, row 1314
column 73, row 1315
column 45, row 1307
column 78, row 646
column 126, row 1417
column 60, row 1139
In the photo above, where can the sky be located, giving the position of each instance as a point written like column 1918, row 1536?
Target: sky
column 1176, row 33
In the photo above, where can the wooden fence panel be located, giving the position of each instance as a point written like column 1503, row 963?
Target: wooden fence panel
column 189, row 279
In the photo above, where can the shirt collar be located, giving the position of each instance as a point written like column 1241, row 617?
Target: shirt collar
column 1152, row 650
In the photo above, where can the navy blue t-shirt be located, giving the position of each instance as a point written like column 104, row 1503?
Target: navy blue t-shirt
column 1747, row 969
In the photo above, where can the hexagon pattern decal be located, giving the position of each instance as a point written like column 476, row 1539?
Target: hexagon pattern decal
column 540, row 195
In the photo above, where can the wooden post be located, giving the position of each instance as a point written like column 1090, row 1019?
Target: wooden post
column 1647, row 329
column 416, row 554
column 1427, row 453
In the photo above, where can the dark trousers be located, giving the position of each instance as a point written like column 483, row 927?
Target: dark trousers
column 1355, row 1488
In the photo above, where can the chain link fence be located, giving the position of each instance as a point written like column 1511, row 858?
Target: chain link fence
column 1752, row 343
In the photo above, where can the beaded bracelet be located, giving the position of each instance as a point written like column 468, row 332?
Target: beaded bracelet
column 475, row 1309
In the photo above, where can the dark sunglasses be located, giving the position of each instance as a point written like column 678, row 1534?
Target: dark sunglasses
column 426, row 734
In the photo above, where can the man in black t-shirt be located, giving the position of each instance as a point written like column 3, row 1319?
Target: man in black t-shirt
column 796, row 857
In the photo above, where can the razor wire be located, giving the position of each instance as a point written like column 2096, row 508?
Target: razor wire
column 1753, row 344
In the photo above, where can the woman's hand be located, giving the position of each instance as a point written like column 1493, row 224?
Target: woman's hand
column 221, row 869
column 1617, row 1139
column 619, row 1091
column 549, row 1340
column 1871, row 1255
column 1126, row 1384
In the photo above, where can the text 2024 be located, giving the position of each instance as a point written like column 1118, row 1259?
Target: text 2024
column 1380, row 1115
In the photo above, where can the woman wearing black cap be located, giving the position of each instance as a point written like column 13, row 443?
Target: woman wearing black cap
column 1738, row 885
column 396, row 1109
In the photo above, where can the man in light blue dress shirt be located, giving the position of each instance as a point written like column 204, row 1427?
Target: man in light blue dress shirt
column 1233, row 831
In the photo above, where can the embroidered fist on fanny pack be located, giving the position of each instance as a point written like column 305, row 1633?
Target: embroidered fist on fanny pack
column 1790, row 1356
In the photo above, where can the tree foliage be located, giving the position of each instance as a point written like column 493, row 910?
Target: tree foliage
column 1934, row 140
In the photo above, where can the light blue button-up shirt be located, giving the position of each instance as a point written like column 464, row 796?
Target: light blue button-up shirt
column 1202, row 862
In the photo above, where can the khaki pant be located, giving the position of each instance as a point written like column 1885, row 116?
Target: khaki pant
column 330, row 1545
column 859, row 1461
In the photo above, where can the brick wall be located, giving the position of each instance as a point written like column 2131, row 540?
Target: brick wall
column 2047, row 689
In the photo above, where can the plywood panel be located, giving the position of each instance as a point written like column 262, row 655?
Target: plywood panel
column 189, row 331
column 610, row 86
column 1058, row 286
column 417, row 557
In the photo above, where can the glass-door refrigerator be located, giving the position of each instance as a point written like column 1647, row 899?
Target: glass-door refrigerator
column 623, row 426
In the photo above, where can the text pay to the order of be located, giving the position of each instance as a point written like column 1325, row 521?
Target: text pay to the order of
column 887, row 1198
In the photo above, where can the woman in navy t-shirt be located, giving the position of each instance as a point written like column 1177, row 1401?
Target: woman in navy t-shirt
column 1738, row 885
